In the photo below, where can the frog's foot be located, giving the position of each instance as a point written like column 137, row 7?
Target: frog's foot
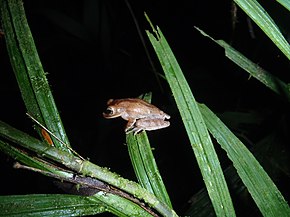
column 134, row 129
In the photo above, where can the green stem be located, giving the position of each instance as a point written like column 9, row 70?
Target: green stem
column 83, row 167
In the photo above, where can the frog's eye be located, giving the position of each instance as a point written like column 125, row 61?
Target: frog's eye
column 109, row 111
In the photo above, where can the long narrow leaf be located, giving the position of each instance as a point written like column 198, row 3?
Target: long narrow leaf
column 285, row 3
column 34, row 162
column 263, row 190
column 48, row 205
column 272, row 82
column 144, row 164
column 195, row 127
column 148, row 175
column 68, row 205
column 28, row 69
column 257, row 13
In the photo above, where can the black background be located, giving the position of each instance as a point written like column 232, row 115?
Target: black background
column 92, row 52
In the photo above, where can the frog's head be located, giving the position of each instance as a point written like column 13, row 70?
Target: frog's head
column 113, row 110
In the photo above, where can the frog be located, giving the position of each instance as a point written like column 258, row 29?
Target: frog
column 141, row 115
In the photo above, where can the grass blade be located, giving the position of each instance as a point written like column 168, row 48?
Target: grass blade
column 195, row 127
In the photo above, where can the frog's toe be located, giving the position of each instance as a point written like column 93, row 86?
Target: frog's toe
column 137, row 130
column 134, row 130
column 128, row 129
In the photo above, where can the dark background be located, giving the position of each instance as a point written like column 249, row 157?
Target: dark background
column 92, row 52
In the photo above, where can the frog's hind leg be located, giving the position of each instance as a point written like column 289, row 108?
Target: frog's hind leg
column 148, row 124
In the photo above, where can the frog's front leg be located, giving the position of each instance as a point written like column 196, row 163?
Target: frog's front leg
column 130, row 125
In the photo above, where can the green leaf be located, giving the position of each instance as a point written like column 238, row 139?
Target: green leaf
column 84, row 167
column 285, row 3
column 263, row 190
column 34, row 162
column 195, row 127
column 37, row 205
column 48, row 205
column 257, row 13
column 272, row 82
column 144, row 164
column 68, row 205
column 28, row 70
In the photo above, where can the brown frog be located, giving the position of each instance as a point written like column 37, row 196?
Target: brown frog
column 140, row 114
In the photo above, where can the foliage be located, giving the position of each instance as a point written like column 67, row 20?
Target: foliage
column 100, row 190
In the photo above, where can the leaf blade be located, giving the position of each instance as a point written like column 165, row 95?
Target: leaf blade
column 195, row 126
column 144, row 164
column 29, row 72
column 269, row 80
column 257, row 13
column 263, row 190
